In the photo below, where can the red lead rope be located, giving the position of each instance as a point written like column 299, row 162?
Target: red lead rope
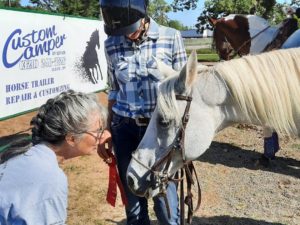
column 114, row 180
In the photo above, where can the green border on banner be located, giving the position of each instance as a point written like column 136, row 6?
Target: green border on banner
column 48, row 13
column 32, row 110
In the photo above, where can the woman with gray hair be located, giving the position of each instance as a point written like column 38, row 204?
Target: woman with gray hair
column 33, row 189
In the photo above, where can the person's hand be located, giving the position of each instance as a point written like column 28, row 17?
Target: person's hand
column 105, row 146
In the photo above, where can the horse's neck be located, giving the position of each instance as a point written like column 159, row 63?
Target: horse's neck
column 259, row 42
column 214, row 94
column 261, row 33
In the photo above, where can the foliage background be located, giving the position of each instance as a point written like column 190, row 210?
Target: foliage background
column 158, row 9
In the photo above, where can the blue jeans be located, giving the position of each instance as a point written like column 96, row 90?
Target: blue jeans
column 126, row 136
column 293, row 41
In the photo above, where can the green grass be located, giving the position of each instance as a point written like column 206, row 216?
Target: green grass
column 208, row 58
column 205, row 55
column 204, row 50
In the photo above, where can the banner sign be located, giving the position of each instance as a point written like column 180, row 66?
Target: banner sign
column 43, row 55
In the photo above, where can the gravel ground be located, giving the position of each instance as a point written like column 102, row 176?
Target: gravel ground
column 238, row 190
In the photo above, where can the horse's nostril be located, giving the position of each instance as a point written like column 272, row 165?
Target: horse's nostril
column 130, row 182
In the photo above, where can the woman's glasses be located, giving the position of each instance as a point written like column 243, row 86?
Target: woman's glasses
column 96, row 133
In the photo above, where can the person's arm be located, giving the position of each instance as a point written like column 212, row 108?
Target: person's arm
column 105, row 144
column 179, row 53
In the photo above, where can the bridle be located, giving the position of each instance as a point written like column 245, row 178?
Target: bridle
column 162, row 177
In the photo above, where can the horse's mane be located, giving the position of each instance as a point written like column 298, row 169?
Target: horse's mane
column 266, row 87
column 95, row 35
column 242, row 22
column 167, row 100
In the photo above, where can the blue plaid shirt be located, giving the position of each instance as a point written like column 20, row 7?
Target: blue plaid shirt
column 133, row 76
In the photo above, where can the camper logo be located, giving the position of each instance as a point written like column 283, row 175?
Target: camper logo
column 24, row 46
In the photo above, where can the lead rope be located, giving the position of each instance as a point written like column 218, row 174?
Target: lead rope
column 188, row 170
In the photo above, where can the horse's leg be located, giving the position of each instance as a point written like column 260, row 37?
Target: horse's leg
column 100, row 71
column 97, row 72
column 271, row 143
column 93, row 76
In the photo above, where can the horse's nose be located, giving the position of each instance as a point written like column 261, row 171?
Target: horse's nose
column 130, row 182
column 133, row 184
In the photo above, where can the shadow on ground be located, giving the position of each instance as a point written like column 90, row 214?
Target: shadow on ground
column 233, row 156
column 216, row 220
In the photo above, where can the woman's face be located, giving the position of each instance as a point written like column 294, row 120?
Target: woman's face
column 89, row 140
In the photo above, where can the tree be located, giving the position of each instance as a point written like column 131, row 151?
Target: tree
column 158, row 10
column 10, row 3
column 177, row 25
column 47, row 5
column 85, row 8
column 295, row 3
column 180, row 5
column 219, row 8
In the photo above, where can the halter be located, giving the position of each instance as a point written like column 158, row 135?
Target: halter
column 162, row 177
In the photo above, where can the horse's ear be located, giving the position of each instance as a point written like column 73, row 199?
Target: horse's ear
column 165, row 70
column 212, row 21
column 188, row 73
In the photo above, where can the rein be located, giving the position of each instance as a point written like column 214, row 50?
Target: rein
column 188, row 170
column 237, row 52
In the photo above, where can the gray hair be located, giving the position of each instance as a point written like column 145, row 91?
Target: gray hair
column 69, row 112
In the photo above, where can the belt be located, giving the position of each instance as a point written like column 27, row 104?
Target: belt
column 141, row 121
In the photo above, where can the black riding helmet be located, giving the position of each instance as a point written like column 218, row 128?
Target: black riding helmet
column 122, row 17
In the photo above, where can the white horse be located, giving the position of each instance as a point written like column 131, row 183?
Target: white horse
column 262, row 90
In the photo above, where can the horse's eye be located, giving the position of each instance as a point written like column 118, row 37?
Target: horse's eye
column 164, row 123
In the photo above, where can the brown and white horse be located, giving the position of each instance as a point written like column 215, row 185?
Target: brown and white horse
column 248, row 34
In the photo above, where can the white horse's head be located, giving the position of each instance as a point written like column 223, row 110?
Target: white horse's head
column 165, row 126
column 262, row 90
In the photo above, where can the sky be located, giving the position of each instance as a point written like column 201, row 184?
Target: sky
column 187, row 18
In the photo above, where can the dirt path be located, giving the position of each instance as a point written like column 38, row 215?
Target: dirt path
column 236, row 191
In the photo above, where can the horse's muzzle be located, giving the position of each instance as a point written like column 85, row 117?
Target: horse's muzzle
column 139, row 186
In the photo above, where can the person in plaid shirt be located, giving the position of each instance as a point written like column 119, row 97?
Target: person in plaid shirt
column 133, row 39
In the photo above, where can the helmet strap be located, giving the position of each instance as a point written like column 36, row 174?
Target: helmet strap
column 143, row 35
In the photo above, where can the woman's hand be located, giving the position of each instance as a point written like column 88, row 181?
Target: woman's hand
column 105, row 146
